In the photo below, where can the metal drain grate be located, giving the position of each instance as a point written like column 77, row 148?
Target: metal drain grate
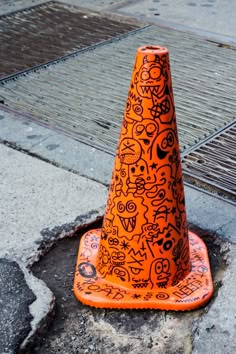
column 214, row 162
column 48, row 31
column 85, row 96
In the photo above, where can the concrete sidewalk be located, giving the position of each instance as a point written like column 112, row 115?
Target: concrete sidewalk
column 41, row 203
column 47, row 197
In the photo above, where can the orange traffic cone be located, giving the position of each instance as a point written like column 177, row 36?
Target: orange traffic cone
column 144, row 256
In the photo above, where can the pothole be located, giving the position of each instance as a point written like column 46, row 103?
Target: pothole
column 81, row 329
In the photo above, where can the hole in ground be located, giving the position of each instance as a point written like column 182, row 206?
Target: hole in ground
column 78, row 329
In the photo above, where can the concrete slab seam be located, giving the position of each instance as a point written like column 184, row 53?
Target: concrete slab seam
column 17, row 147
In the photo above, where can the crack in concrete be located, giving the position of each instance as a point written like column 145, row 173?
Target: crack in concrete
column 14, row 146
column 43, row 311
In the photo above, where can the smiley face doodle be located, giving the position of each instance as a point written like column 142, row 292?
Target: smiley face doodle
column 126, row 211
column 164, row 148
column 166, row 145
column 118, row 258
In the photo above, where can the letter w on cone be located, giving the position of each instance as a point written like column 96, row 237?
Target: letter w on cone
column 144, row 256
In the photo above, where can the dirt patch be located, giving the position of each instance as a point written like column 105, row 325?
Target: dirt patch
column 81, row 329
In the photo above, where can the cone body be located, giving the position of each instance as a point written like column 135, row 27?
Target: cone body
column 144, row 235
column 144, row 244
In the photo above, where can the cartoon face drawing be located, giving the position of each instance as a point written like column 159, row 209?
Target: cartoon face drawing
column 166, row 144
column 129, row 151
column 164, row 149
column 159, row 272
column 121, row 272
column 118, row 258
column 127, row 214
column 150, row 78
column 127, row 210
column 104, row 260
column 138, row 170
column 134, row 109
column 145, row 133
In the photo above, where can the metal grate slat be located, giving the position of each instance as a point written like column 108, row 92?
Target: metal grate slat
column 214, row 162
column 85, row 95
column 51, row 30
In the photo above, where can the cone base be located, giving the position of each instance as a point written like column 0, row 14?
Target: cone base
column 192, row 292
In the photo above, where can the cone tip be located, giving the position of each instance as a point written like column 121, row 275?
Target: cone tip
column 152, row 49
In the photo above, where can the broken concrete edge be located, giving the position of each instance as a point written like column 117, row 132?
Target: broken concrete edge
column 213, row 215
column 218, row 239
column 222, row 283
column 42, row 309
column 51, row 236
column 40, row 323
column 216, row 330
column 15, row 299
column 225, row 251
